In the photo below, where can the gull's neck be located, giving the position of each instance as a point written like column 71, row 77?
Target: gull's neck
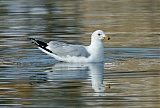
column 96, row 43
column 96, row 49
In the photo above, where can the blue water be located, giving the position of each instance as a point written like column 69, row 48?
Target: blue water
column 129, row 76
column 134, row 52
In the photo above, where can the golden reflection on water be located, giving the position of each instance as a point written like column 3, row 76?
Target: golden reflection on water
column 131, row 65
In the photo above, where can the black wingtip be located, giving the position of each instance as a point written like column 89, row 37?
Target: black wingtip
column 40, row 44
column 34, row 41
column 31, row 38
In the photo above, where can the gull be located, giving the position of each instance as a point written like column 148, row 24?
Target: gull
column 75, row 53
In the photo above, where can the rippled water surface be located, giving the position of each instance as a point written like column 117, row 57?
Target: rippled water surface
column 129, row 77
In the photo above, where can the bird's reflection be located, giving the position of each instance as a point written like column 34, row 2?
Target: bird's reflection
column 63, row 71
column 94, row 71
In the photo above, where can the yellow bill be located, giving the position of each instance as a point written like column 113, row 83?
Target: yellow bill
column 107, row 38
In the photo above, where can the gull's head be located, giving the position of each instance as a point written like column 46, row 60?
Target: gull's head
column 99, row 35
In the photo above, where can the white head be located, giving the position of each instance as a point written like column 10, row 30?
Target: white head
column 99, row 35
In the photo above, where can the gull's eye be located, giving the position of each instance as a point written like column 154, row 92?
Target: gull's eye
column 99, row 34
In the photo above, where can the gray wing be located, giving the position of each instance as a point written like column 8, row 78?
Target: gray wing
column 63, row 49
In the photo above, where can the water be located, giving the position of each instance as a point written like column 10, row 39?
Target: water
column 129, row 77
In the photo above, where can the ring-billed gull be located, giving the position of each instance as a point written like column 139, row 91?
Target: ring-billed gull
column 75, row 53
